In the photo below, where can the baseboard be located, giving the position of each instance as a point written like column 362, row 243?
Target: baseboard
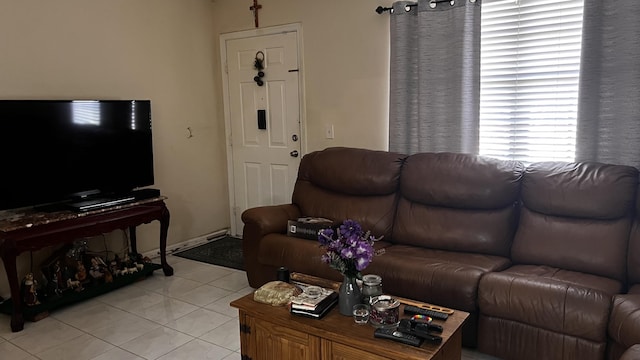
column 155, row 253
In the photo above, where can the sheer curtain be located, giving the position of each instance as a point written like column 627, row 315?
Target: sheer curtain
column 435, row 76
column 609, row 95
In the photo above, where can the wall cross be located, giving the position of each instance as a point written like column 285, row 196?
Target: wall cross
column 255, row 9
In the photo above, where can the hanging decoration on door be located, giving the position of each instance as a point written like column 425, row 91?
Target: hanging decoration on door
column 259, row 65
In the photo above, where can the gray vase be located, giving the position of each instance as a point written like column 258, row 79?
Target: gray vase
column 349, row 294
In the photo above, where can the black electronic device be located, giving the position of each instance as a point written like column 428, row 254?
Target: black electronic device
column 262, row 119
column 399, row 336
column 427, row 325
column 414, row 310
column 419, row 330
column 73, row 151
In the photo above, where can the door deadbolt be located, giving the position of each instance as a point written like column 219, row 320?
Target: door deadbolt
column 294, row 153
column 294, row 137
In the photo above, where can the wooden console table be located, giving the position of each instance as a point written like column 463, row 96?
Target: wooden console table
column 34, row 231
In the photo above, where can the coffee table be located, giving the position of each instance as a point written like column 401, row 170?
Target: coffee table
column 268, row 332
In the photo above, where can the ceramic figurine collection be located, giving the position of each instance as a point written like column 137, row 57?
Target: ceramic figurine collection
column 75, row 269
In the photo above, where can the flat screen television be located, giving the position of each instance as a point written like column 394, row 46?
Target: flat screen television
column 64, row 150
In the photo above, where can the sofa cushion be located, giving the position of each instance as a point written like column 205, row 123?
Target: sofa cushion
column 481, row 231
column 576, row 217
column 513, row 340
column 458, row 202
column 584, row 245
column 366, row 191
column 300, row 255
column 632, row 353
column 435, row 276
column 553, row 299
column 461, row 181
column 624, row 325
column 583, row 190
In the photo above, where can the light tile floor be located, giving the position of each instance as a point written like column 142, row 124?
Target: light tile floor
column 186, row 316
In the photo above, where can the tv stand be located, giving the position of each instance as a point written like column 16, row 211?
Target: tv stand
column 37, row 230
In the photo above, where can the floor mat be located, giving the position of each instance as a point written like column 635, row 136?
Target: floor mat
column 226, row 252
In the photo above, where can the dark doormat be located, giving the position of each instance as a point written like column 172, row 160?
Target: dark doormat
column 226, row 252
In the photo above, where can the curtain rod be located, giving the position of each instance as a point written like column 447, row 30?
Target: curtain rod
column 408, row 7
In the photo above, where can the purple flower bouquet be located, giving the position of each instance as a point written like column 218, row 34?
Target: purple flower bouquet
column 349, row 249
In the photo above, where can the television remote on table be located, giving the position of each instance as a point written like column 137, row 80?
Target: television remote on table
column 395, row 335
column 419, row 330
column 427, row 326
column 413, row 310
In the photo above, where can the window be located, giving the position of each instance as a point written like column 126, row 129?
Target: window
column 530, row 63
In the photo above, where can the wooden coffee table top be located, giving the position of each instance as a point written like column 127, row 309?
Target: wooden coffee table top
column 342, row 329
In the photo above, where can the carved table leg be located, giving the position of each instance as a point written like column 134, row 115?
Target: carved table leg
column 9, row 259
column 164, row 229
column 133, row 239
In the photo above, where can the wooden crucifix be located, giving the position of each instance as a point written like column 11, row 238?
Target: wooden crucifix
column 255, row 9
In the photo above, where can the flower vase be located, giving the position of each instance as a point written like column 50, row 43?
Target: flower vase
column 349, row 294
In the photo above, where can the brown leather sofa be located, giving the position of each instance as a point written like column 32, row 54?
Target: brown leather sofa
column 624, row 325
column 535, row 254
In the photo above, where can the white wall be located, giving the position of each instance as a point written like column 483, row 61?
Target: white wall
column 168, row 51
column 161, row 50
column 346, row 64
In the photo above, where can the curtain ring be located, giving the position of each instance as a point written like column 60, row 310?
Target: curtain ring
column 472, row 1
column 433, row 4
column 452, row 2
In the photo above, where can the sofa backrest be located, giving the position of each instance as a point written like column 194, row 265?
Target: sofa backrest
column 633, row 263
column 458, row 202
column 347, row 183
column 577, row 217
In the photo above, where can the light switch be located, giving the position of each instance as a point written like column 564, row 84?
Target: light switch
column 328, row 131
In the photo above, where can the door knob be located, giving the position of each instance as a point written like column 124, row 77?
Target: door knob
column 294, row 153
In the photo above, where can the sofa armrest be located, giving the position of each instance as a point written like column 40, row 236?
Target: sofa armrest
column 259, row 222
column 624, row 324
column 269, row 219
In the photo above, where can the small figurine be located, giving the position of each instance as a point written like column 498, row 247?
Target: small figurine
column 30, row 297
column 55, row 285
column 108, row 278
column 74, row 284
column 81, row 274
column 57, row 272
column 96, row 270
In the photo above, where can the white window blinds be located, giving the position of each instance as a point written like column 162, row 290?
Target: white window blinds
column 530, row 63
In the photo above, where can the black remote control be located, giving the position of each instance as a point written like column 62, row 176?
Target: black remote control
column 395, row 335
column 428, row 326
column 419, row 330
column 414, row 310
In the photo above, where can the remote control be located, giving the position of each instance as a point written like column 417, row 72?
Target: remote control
column 427, row 326
column 419, row 330
column 412, row 310
column 395, row 335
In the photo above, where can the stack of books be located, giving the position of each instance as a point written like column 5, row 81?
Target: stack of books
column 311, row 305
column 307, row 227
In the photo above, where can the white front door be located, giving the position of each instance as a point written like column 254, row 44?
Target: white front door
column 264, row 121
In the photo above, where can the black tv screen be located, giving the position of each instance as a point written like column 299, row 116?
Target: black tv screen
column 56, row 150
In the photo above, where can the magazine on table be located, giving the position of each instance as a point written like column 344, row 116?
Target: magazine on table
column 313, row 305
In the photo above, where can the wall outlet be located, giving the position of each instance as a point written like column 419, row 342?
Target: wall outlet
column 328, row 131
